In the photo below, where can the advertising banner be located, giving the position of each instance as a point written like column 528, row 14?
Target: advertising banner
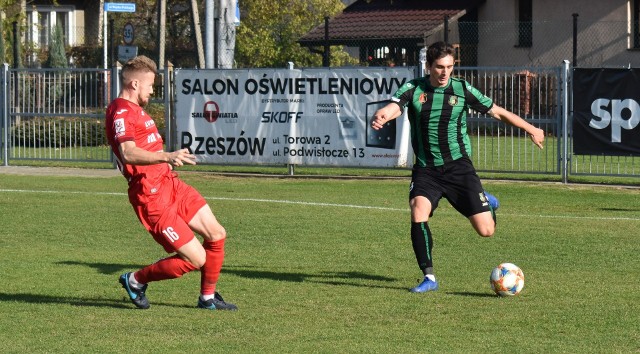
column 315, row 117
column 606, row 112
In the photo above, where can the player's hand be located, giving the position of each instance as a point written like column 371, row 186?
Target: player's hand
column 537, row 136
column 378, row 121
column 181, row 157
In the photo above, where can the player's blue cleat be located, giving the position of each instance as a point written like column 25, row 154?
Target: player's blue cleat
column 426, row 285
column 217, row 303
column 137, row 296
column 493, row 201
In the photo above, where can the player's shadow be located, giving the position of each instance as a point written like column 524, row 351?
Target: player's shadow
column 357, row 279
column 105, row 268
column 67, row 300
column 621, row 209
column 470, row 294
column 40, row 299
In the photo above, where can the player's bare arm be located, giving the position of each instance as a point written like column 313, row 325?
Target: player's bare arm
column 535, row 134
column 134, row 155
column 385, row 114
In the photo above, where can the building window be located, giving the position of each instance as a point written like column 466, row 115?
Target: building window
column 525, row 23
column 41, row 21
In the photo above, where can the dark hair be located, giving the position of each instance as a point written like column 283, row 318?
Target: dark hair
column 439, row 50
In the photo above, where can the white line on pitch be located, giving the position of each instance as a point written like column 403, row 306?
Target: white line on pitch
column 323, row 204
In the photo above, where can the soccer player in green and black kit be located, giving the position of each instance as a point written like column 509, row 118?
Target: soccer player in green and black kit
column 437, row 109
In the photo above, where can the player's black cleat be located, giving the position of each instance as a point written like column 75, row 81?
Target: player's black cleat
column 217, row 303
column 136, row 295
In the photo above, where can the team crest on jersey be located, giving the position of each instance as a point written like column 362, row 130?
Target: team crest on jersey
column 453, row 100
column 423, row 98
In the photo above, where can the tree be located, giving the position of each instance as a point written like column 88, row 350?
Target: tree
column 10, row 12
column 269, row 31
column 57, row 57
column 2, row 53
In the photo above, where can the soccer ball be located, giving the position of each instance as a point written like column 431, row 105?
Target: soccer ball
column 507, row 279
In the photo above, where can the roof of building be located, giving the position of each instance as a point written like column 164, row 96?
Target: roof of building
column 379, row 20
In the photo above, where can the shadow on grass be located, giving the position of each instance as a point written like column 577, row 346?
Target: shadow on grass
column 466, row 293
column 250, row 272
column 105, row 268
column 38, row 299
column 74, row 301
column 620, row 209
column 329, row 278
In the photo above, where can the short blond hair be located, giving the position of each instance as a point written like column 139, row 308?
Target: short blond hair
column 139, row 64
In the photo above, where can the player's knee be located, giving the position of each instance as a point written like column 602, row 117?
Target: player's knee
column 198, row 258
column 216, row 233
column 220, row 234
column 486, row 231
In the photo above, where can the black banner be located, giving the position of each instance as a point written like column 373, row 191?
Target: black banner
column 606, row 112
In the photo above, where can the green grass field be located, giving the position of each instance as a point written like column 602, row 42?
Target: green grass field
column 321, row 265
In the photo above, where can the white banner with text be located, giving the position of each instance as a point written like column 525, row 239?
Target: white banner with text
column 315, row 117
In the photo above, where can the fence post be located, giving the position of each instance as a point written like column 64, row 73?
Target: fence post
column 325, row 56
column 565, row 121
column 290, row 166
column 4, row 114
column 169, row 117
column 446, row 29
column 575, row 40
column 216, row 40
column 115, row 91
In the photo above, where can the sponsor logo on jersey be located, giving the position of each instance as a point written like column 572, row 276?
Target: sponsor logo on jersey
column 118, row 125
column 151, row 138
column 120, row 111
column 483, row 199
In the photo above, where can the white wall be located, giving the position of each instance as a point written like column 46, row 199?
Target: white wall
column 604, row 38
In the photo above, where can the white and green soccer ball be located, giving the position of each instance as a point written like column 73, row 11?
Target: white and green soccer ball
column 507, row 279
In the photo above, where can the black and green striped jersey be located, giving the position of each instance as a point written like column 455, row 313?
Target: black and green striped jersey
column 438, row 117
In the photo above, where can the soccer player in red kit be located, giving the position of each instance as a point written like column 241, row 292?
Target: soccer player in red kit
column 169, row 209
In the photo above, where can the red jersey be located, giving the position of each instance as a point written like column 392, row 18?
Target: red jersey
column 127, row 121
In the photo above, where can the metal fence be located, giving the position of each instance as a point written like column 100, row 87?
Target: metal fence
column 532, row 93
column 55, row 114
column 58, row 114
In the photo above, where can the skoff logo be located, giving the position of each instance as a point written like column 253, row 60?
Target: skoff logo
column 620, row 114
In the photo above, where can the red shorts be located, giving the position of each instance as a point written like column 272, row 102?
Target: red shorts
column 168, row 212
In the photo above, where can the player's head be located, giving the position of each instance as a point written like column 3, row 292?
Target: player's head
column 440, row 63
column 138, row 76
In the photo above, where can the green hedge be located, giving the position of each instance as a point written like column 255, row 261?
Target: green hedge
column 58, row 132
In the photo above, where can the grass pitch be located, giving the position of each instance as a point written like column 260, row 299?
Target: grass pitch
column 321, row 266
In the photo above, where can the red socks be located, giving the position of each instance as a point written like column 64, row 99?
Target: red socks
column 168, row 268
column 174, row 267
column 211, row 269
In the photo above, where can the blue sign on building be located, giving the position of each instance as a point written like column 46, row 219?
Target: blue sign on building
column 120, row 7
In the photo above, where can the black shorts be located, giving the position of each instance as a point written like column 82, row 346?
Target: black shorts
column 457, row 181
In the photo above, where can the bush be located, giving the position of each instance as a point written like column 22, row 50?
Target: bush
column 87, row 56
column 58, row 132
